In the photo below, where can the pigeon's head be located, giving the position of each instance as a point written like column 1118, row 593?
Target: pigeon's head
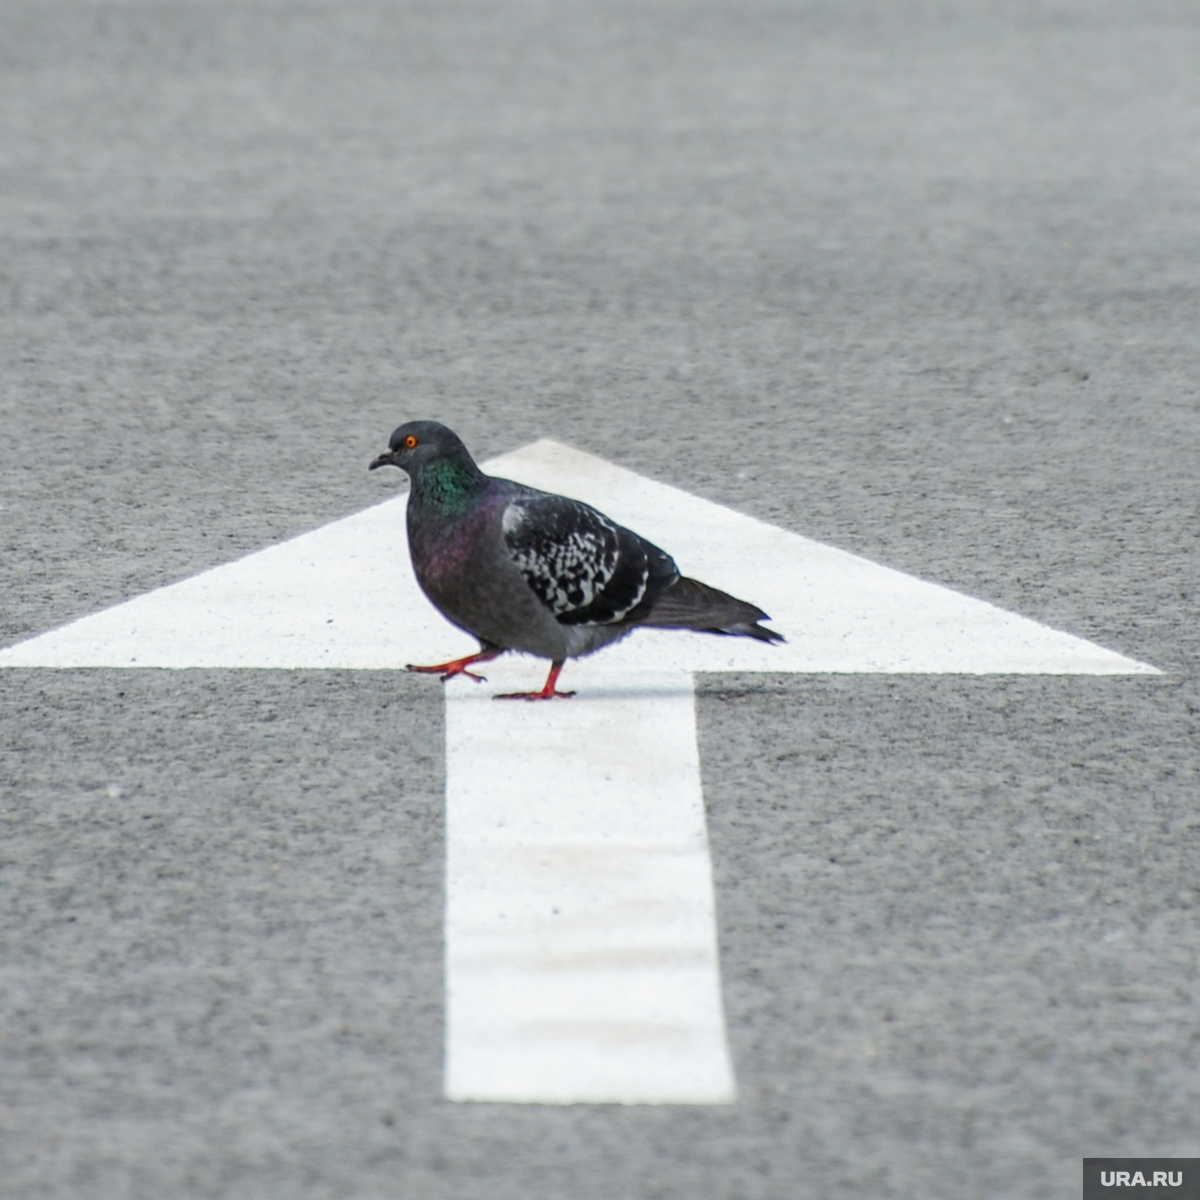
column 417, row 444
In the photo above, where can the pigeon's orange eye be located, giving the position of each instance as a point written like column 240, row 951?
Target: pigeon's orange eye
column 410, row 441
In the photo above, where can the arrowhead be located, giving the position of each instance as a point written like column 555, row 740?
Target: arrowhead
column 343, row 596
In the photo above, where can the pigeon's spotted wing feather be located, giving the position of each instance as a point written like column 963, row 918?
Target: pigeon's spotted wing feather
column 586, row 569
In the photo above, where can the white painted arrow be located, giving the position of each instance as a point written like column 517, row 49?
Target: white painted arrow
column 581, row 957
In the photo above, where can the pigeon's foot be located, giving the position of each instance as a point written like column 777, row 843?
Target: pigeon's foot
column 544, row 694
column 457, row 667
column 547, row 693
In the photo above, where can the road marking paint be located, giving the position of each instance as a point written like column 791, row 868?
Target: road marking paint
column 594, row 807
column 343, row 596
column 581, row 954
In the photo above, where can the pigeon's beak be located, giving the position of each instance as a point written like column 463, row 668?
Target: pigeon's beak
column 387, row 459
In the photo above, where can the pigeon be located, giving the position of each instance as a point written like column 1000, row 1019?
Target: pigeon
column 525, row 570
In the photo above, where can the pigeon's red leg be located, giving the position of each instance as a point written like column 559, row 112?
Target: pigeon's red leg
column 458, row 666
column 547, row 693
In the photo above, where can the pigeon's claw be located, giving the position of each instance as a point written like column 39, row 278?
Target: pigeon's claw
column 463, row 671
column 547, row 693
column 542, row 695
column 458, row 666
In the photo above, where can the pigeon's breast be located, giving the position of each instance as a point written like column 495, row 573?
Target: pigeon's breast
column 466, row 571
column 446, row 550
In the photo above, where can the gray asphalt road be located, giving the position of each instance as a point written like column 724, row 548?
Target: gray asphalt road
column 919, row 280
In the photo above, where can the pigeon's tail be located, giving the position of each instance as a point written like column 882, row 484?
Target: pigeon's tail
column 690, row 604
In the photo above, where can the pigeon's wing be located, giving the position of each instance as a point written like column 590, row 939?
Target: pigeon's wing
column 586, row 569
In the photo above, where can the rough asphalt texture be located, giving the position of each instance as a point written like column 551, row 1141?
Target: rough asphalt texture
column 919, row 280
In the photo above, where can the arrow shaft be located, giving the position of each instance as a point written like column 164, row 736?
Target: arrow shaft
column 581, row 950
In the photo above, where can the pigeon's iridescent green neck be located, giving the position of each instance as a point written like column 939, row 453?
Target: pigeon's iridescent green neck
column 450, row 485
